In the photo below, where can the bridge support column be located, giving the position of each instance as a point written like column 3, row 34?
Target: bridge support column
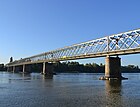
column 112, row 68
column 8, row 69
column 44, row 68
column 48, row 70
column 23, row 68
column 13, row 68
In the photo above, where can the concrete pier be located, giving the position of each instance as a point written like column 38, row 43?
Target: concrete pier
column 47, row 70
column 44, row 68
column 112, row 68
column 13, row 68
column 23, row 68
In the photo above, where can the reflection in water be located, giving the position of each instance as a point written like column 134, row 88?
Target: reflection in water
column 47, row 77
column 23, row 75
column 113, row 93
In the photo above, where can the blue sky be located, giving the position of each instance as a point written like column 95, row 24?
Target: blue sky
column 29, row 27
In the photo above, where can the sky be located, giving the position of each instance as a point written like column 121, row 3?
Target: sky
column 30, row 27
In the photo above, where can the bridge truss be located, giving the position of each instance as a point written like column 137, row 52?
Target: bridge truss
column 117, row 44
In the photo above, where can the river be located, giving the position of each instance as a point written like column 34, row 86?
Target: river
column 68, row 90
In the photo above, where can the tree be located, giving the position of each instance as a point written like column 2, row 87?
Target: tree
column 11, row 59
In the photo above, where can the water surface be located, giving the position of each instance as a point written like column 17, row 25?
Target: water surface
column 68, row 90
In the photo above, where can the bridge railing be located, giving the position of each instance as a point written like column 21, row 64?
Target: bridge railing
column 122, row 41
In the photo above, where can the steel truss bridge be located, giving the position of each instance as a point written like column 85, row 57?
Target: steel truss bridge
column 117, row 44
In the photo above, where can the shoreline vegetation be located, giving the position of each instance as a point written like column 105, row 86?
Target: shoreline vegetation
column 2, row 67
column 76, row 67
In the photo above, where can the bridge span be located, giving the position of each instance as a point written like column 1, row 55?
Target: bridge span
column 113, row 45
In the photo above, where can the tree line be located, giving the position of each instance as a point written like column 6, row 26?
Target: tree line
column 2, row 67
column 75, row 67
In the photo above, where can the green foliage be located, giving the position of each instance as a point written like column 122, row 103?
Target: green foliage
column 2, row 68
column 88, row 67
column 130, row 69
column 76, row 67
